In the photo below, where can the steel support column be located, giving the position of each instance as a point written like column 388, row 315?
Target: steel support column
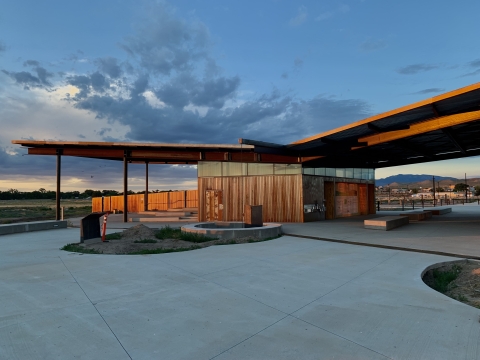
column 59, row 167
column 125, row 188
column 145, row 197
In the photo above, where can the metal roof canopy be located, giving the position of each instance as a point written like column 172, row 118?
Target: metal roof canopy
column 443, row 127
column 440, row 128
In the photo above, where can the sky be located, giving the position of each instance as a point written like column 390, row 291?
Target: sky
column 215, row 71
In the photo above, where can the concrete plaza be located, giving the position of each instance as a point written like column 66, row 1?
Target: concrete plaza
column 289, row 298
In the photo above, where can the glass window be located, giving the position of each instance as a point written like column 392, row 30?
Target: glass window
column 309, row 171
column 330, row 172
column 349, row 173
column 320, row 171
column 371, row 174
column 357, row 173
column 339, row 172
column 291, row 169
column 365, row 174
column 209, row 168
column 260, row 169
column 234, row 169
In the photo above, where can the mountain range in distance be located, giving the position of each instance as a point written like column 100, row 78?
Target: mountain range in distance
column 423, row 180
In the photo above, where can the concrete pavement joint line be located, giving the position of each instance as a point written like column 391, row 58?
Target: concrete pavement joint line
column 389, row 247
column 340, row 336
column 290, row 314
column 95, row 308
column 258, row 332
column 345, row 283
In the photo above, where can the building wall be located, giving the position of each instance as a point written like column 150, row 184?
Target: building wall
column 280, row 195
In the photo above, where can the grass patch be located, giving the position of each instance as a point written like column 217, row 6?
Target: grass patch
column 170, row 233
column 162, row 251
column 145, row 241
column 441, row 279
column 79, row 249
column 113, row 236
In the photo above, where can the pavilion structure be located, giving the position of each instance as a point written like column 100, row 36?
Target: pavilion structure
column 325, row 176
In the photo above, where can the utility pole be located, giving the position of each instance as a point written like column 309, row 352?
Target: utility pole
column 466, row 188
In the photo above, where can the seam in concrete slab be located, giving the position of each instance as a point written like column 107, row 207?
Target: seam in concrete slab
column 389, row 247
column 96, row 308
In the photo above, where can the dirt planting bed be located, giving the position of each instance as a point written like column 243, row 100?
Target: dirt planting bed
column 141, row 239
column 459, row 280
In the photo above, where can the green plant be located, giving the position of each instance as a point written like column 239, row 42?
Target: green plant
column 79, row 249
column 162, row 251
column 441, row 279
column 145, row 241
column 170, row 233
column 113, row 236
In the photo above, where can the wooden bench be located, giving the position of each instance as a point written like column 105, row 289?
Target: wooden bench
column 386, row 222
column 440, row 210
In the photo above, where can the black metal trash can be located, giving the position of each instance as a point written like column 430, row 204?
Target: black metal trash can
column 90, row 226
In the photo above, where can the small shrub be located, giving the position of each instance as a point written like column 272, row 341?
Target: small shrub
column 145, row 241
column 162, row 251
column 441, row 279
column 79, row 249
column 113, row 236
column 170, row 233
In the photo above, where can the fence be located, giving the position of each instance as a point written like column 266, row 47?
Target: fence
column 156, row 201
column 401, row 204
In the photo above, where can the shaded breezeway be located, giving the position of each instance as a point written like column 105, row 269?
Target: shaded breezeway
column 281, row 299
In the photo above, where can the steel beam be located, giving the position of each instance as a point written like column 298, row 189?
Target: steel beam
column 454, row 140
column 145, row 198
column 59, row 167
column 125, row 187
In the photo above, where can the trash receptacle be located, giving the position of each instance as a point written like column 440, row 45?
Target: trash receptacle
column 90, row 226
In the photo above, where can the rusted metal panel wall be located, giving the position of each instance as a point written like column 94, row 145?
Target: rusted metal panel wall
column 281, row 196
column 372, row 209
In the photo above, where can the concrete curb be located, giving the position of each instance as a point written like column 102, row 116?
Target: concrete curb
column 16, row 228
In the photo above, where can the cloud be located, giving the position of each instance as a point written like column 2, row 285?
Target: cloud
column 474, row 63
column 429, row 91
column 372, row 45
column 109, row 66
column 328, row 14
column 416, row 68
column 298, row 62
column 163, row 43
column 3, row 47
column 476, row 72
column 27, row 79
column 300, row 18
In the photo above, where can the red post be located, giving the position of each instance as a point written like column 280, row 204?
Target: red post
column 104, row 226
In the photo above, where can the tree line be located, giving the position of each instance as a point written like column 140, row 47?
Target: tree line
column 14, row 194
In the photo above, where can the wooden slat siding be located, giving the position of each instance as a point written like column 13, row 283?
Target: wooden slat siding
column 156, row 201
column 177, row 200
column 96, row 204
column 192, row 198
column 280, row 195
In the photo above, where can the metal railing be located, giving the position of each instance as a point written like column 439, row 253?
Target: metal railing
column 402, row 205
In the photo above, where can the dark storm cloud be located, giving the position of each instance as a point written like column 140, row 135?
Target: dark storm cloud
column 185, row 89
column 109, row 66
column 3, row 47
column 27, row 79
column 88, row 83
column 415, row 69
column 164, row 43
column 429, row 91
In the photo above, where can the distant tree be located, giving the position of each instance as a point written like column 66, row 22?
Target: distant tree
column 414, row 191
column 477, row 190
column 460, row 187
column 439, row 189
column 42, row 190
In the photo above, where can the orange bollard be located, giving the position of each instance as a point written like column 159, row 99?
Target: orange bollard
column 104, row 226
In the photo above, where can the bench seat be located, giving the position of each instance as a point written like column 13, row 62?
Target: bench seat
column 386, row 222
